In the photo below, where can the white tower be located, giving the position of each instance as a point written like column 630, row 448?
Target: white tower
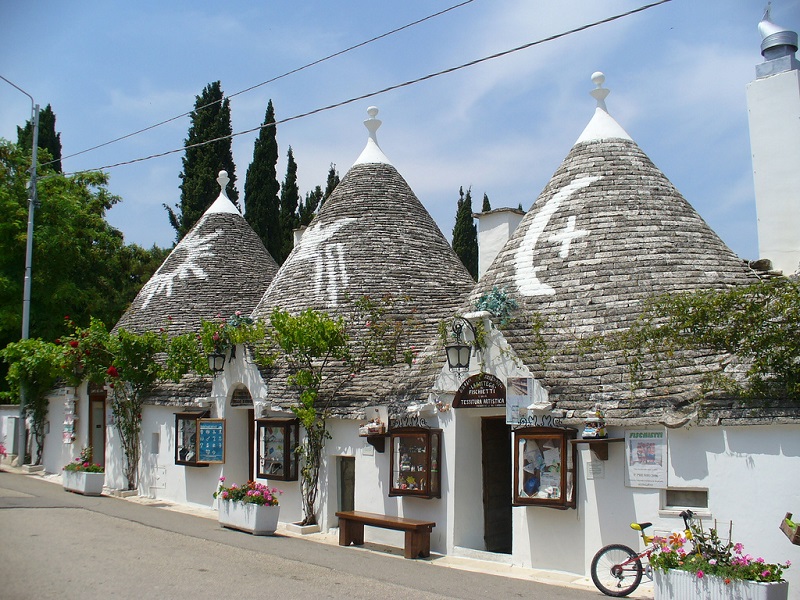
column 773, row 103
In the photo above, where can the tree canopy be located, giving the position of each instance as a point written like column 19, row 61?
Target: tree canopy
column 290, row 200
column 49, row 140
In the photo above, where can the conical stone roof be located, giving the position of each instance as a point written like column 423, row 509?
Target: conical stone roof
column 372, row 237
column 608, row 231
column 220, row 266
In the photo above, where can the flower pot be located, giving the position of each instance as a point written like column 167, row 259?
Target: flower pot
column 253, row 518
column 82, row 482
column 683, row 585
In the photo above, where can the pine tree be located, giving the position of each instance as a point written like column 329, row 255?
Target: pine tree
column 49, row 140
column 211, row 120
column 261, row 187
column 465, row 234
column 486, row 206
column 290, row 198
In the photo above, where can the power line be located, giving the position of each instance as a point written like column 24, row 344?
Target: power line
column 276, row 78
column 392, row 87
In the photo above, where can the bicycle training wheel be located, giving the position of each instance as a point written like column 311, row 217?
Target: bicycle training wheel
column 616, row 570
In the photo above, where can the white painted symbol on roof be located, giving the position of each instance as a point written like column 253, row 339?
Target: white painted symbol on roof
column 525, row 276
column 566, row 235
column 328, row 257
column 195, row 247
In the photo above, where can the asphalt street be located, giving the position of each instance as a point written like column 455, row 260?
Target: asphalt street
column 56, row 544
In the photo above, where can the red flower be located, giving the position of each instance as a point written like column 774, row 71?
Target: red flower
column 74, row 343
column 66, row 317
column 112, row 371
column 58, row 341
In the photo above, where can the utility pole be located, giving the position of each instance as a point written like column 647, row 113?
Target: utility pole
column 26, row 294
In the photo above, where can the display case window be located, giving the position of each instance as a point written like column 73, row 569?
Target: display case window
column 415, row 462
column 187, row 426
column 545, row 466
column 277, row 449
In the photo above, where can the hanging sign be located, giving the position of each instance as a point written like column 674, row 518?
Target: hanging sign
column 480, row 391
column 211, row 448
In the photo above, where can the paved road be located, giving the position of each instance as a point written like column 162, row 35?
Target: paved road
column 56, row 544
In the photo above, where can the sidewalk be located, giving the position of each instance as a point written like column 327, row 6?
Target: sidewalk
column 465, row 559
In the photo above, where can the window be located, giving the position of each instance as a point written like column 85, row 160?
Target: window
column 277, row 448
column 680, row 499
column 544, row 467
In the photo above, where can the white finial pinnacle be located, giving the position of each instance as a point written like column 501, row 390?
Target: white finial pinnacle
column 600, row 93
column 223, row 181
column 372, row 123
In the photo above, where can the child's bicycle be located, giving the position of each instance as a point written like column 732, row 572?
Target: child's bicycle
column 617, row 570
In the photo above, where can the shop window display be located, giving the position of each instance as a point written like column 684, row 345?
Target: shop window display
column 416, row 453
column 545, row 466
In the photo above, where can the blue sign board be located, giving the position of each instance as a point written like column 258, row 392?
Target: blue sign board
column 212, row 441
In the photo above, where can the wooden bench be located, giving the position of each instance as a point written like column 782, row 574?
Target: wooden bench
column 418, row 533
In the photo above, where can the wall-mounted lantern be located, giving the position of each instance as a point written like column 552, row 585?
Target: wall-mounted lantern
column 458, row 354
column 216, row 362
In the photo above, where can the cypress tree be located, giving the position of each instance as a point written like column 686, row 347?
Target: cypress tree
column 210, row 120
column 486, row 206
column 330, row 185
column 261, row 187
column 465, row 234
column 290, row 198
column 308, row 208
column 49, row 140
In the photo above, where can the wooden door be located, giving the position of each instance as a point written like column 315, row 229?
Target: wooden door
column 496, row 444
column 347, row 483
column 97, row 428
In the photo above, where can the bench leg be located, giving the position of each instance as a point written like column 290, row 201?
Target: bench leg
column 350, row 532
column 418, row 543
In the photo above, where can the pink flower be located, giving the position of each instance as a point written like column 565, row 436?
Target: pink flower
column 238, row 313
column 738, row 547
column 224, row 494
column 713, row 561
column 759, row 560
column 222, row 478
column 700, row 574
column 765, row 573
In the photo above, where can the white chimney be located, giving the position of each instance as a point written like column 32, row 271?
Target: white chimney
column 773, row 104
column 495, row 227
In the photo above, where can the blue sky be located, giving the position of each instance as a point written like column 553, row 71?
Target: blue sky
column 677, row 74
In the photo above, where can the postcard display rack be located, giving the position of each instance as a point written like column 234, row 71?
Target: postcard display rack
column 415, row 456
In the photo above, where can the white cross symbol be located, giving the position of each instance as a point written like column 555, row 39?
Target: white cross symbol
column 566, row 236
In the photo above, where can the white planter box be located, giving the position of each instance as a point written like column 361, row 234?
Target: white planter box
column 88, row 484
column 682, row 585
column 253, row 518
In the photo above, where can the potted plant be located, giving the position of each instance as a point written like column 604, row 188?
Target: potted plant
column 714, row 569
column 253, row 507
column 84, row 477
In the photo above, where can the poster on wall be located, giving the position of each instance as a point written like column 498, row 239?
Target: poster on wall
column 519, row 393
column 211, row 448
column 646, row 458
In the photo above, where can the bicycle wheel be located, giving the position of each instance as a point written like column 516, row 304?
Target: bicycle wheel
column 616, row 570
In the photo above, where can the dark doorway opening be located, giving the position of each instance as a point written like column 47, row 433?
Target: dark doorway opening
column 496, row 445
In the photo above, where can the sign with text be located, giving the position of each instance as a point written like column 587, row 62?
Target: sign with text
column 646, row 458
column 480, row 391
column 211, row 447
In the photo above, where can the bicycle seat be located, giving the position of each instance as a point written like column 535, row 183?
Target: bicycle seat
column 640, row 526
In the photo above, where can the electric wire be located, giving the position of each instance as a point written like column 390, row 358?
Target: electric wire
column 390, row 88
column 273, row 79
